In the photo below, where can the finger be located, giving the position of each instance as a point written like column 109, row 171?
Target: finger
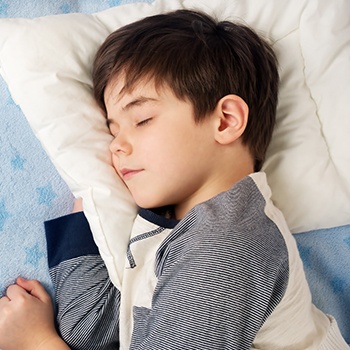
column 35, row 288
column 15, row 291
column 3, row 300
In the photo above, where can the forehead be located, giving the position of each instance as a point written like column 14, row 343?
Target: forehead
column 119, row 93
column 118, row 90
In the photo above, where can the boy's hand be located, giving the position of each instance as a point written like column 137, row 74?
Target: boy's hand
column 27, row 318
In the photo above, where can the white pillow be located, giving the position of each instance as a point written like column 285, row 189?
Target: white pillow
column 46, row 63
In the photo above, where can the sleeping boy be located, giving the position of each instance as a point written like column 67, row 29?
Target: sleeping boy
column 191, row 103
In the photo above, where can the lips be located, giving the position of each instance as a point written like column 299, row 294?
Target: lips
column 127, row 174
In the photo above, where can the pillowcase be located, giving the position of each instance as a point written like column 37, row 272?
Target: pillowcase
column 47, row 61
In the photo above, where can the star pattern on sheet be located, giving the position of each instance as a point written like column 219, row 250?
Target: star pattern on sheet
column 17, row 162
column 3, row 7
column 347, row 241
column 4, row 214
column 65, row 8
column 34, row 255
column 46, row 195
column 114, row 3
column 338, row 285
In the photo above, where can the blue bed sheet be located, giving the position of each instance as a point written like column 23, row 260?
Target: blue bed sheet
column 31, row 191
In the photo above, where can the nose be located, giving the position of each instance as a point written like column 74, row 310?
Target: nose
column 120, row 145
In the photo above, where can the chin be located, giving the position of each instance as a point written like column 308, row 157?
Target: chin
column 147, row 204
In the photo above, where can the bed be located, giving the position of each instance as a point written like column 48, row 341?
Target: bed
column 54, row 139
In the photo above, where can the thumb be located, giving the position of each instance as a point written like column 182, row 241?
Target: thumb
column 34, row 288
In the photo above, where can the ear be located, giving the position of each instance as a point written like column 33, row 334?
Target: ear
column 231, row 119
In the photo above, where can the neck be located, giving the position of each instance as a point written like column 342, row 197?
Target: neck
column 222, row 182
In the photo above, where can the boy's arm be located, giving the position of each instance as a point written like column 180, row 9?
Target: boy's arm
column 26, row 318
column 87, row 302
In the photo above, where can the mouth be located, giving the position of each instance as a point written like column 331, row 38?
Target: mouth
column 127, row 174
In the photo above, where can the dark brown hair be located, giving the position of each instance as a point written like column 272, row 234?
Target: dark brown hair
column 201, row 60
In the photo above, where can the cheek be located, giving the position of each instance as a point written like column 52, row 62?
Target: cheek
column 114, row 161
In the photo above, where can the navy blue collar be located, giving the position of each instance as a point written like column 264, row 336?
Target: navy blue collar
column 156, row 219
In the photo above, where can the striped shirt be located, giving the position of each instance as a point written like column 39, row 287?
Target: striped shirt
column 227, row 276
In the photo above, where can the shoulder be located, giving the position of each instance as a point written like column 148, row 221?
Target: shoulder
column 237, row 220
column 232, row 229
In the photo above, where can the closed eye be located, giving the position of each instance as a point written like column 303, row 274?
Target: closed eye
column 143, row 122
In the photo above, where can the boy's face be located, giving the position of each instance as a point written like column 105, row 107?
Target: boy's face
column 161, row 154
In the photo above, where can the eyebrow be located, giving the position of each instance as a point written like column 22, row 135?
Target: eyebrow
column 138, row 101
